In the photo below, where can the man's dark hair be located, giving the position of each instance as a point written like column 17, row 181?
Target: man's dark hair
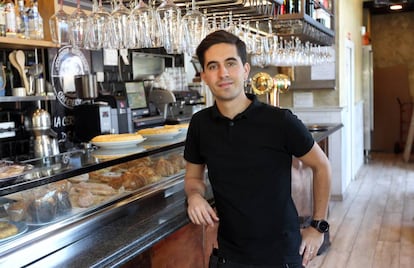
column 217, row 37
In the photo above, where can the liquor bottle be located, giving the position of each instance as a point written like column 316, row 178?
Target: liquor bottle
column 2, row 20
column 22, row 21
column 309, row 7
column 35, row 22
column 283, row 8
column 10, row 12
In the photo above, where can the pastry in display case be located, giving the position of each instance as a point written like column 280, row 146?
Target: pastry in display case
column 67, row 190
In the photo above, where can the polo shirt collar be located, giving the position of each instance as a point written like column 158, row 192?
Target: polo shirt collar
column 254, row 104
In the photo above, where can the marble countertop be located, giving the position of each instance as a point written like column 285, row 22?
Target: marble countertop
column 324, row 131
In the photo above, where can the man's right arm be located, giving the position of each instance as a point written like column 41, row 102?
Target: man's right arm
column 199, row 210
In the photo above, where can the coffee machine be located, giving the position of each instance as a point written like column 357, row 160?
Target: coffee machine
column 92, row 118
column 121, row 114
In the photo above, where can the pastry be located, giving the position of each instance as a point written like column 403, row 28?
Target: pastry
column 157, row 130
column 43, row 208
column 82, row 198
column 113, row 179
column 178, row 126
column 17, row 210
column 164, row 167
column 7, row 171
column 95, row 175
column 132, row 181
column 177, row 160
column 95, row 188
column 79, row 178
column 117, row 137
column 7, row 229
column 141, row 162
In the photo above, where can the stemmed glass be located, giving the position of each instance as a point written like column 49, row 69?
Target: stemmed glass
column 194, row 29
column 169, row 20
column 99, row 29
column 59, row 26
column 78, row 26
column 123, row 27
column 146, row 27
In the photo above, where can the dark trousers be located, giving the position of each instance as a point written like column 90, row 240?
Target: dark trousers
column 217, row 261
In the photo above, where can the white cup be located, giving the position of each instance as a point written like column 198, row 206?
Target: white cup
column 19, row 91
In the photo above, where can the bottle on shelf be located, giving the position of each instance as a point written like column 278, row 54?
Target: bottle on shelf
column 35, row 22
column 309, row 7
column 22, row 21
column 10, row 13
column 295, row 6
column 2, row 20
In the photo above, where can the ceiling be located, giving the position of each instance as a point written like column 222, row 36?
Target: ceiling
column 378, row 7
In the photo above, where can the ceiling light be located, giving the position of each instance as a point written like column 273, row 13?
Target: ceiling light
column 396, row 7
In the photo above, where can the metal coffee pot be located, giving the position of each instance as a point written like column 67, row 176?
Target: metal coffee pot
column 46, row 143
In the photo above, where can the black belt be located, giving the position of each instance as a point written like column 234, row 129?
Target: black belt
column 219, row 261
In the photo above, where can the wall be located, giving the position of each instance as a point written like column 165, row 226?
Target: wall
column 392, row 44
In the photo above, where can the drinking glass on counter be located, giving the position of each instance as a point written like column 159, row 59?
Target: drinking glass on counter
column 59, row 26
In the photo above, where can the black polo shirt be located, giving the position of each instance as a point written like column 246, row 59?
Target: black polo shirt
column 249, row 163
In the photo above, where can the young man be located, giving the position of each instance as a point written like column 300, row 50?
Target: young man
column 247, row 147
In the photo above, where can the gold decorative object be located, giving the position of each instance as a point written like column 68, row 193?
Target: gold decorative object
column 282, row 83
column 262, row 83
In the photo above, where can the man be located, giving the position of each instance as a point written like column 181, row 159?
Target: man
column 247, row 147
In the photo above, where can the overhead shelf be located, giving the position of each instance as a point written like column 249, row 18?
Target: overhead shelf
column 305, row 28
column 7, row 42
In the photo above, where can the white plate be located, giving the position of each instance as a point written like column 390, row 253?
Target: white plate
column 104, row 153
column 161, row 136
column 118, row 144
column 21, row 228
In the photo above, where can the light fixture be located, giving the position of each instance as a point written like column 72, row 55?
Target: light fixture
column 396, row 7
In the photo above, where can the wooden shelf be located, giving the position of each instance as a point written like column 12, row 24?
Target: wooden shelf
column 7, row 42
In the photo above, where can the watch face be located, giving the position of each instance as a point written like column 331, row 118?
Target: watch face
column 324, row 226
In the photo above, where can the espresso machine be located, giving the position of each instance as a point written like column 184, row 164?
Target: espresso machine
column 113, row 93
column 92, row 118
column 182, row 107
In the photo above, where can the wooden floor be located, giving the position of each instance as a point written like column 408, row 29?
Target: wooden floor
column 374, row 225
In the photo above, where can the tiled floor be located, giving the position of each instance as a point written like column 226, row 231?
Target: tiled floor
column 374, row 225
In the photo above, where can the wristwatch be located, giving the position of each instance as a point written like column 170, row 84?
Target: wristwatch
column 321, row 225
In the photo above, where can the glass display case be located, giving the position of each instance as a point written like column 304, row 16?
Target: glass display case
column 93, row 196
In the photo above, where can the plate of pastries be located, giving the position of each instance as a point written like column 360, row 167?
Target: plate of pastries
column 117, row 141
column 11, row 229
column 159, row 133
column 182, row 128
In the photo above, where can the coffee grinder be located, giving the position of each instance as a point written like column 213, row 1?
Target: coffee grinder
column 91, row 118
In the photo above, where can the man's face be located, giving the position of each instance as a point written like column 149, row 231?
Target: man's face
column 224, row 71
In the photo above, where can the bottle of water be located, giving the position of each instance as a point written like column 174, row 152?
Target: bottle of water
column 22, row 21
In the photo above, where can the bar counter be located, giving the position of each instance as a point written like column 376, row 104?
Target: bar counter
column 123, row 234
